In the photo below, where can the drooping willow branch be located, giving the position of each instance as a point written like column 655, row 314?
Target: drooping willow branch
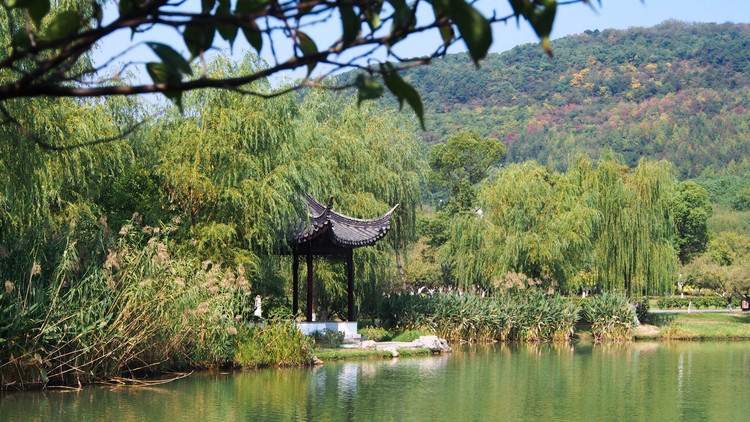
column 35, row 138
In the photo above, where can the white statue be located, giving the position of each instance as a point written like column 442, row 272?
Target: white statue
column 258, row 310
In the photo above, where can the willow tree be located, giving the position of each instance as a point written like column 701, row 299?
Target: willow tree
column 49, row 197
column 467, row 255
column 372, row 160
column 600, row 224
column 532, row 222
column 233, row 168
column 230, row 167
column 634, row 235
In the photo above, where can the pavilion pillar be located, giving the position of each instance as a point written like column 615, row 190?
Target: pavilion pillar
column 350, row 284
column 310, row 296
column 295, row 284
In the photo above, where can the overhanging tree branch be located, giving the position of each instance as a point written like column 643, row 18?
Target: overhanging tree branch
column 45, row 55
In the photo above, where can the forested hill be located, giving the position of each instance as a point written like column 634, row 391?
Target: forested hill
column 676, row 91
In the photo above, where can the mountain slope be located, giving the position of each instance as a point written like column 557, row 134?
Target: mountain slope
column 675, row 91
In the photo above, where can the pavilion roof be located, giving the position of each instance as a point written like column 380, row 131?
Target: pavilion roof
column 341, row 230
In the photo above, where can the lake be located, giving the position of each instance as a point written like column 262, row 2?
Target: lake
column 695, row 381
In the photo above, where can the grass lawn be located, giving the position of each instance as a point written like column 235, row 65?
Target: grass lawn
column 733, row 326
column 338, row 354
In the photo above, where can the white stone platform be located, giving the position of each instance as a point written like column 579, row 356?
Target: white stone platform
column 349, row 328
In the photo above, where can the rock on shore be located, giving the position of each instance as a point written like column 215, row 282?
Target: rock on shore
column 434, row 343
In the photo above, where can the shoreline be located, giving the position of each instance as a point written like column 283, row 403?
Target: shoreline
column 335, row 355
column 674, row 327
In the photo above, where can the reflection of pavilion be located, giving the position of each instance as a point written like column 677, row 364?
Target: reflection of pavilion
column 347, row 379
column 427, row 366
column 334, row 236
column 348, row 375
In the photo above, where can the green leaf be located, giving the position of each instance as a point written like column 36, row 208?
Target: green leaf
column 541, row 16
column 207, row 5
column 368, row 88
column 98, row 12
column 253, row 35
column 171, row 58
column 519, row 6
column 307, row 47
column 440, row 8
column 403, row 91
column 198, row 37
column 160, row 73
column 474, row 28
column 350, row 23
column 245, row 7
column 251, row 31
column 227, row 31
column 38, row 9
column 402, row 17
column 63, row 24
column 175, row 97
column 372, row 13
column 125, row 7
column 544, row 18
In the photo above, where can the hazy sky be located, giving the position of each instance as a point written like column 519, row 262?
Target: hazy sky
column 570, row 20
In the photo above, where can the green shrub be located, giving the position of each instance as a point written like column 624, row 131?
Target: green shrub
column 277, row 343
column 698, row 302
column 328, row 338
column 375, row 333
column 611, row 317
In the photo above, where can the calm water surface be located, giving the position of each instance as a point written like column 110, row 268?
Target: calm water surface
column 640, row 381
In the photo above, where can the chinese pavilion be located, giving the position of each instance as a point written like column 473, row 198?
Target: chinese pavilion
column 332, row 235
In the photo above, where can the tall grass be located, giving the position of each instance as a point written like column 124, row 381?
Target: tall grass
column 532, row 316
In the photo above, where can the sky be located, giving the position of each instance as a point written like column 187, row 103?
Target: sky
column 570, row 19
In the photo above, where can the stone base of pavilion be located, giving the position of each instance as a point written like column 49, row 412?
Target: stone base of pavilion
column 349, row 328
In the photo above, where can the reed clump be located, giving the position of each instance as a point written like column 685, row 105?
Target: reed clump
column 142, row 310
column 611, row 317
column 276, row 343
column 532, row 316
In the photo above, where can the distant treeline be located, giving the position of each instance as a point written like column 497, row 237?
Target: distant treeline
column 675, row 91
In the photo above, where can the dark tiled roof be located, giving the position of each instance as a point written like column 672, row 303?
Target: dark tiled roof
column 342, row 230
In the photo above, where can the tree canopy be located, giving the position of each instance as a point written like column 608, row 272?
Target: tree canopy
column 691, row 210
column 466, row 155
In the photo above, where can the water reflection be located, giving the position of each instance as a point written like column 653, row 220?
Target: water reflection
column 638, row 381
